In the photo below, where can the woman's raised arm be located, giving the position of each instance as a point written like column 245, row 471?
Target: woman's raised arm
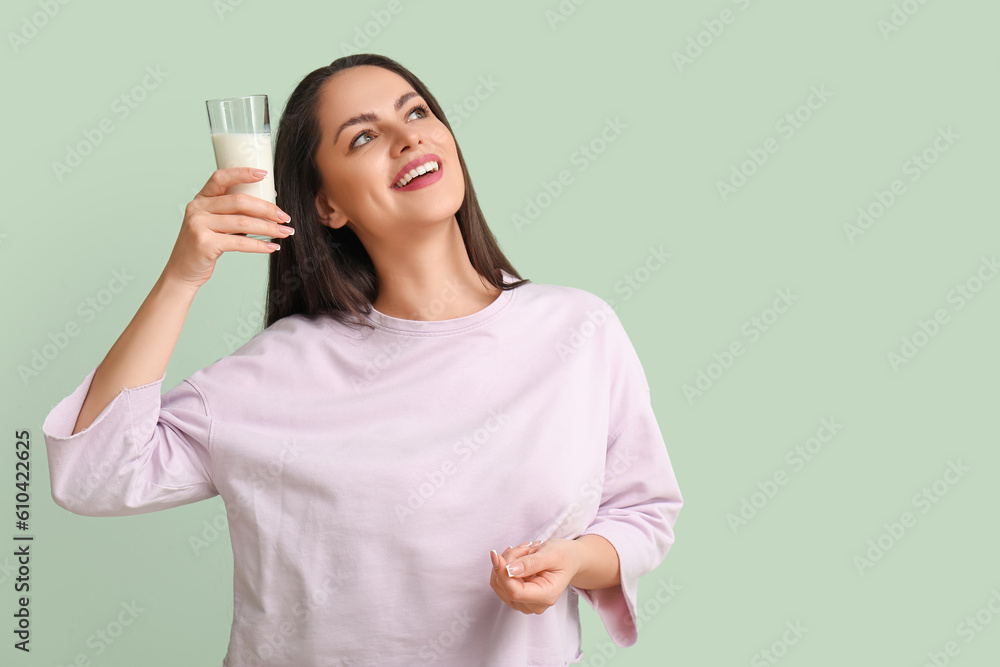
column 214, row 223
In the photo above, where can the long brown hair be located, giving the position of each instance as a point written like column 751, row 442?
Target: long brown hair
column 321, row 271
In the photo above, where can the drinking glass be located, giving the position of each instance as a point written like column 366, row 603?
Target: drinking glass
column 241, row 137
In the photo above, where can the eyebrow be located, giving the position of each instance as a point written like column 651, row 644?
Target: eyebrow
column 369, row 116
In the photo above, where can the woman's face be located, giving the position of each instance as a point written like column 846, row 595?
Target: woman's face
column 359, row 160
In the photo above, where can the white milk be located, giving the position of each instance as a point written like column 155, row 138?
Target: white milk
column 245, row 149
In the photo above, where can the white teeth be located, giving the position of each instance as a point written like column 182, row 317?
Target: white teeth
column 418, row 171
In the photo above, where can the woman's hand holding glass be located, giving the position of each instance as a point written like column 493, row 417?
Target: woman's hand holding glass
column 216, row 222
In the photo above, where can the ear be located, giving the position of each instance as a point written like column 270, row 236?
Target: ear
column 329, row 215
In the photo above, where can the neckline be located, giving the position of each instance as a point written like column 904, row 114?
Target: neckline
column 441, row 327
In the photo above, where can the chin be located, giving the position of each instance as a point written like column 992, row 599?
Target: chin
column 450, row 198
column 457, row 192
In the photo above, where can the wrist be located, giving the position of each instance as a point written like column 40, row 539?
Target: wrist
column 596, row 563
column 175, row 287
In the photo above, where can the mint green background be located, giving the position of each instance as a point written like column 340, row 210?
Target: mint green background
column 655, row 185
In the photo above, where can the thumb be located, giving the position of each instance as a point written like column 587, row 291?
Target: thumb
column 526, row 565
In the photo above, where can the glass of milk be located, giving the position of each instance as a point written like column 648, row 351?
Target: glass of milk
column 241, row 137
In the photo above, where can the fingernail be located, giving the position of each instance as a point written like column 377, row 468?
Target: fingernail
column 495, row 557
column 258, row 173
column 514, row 569
column 526, row 544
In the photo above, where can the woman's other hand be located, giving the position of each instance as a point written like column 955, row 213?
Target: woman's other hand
column 548, row 568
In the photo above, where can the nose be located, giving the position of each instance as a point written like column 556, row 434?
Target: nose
column 408, row 137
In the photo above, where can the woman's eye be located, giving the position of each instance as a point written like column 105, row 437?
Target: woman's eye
column 356, row 144
column 421, row 108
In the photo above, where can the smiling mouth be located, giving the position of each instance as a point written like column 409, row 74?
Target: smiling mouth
column 429, row 167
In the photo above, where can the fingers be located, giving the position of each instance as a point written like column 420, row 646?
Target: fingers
column 499, row 571
column 502, row 583
column 240, row 243
column 510, row 553
column 498, row 564
column 543, row 577
column 513, row 553
column 241, row 203
column 243, row 224
column 238, row 213
column 223, row 178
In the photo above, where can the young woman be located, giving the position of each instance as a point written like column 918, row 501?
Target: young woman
column 412, row 407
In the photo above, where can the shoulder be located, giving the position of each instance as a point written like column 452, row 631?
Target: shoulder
column 562, row 299
column 293, row 331
column 576, row 318
column 576, row 307
column 287, row 345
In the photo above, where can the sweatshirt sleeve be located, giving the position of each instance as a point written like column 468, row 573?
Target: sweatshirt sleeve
column 640, row 499
column 144, row 452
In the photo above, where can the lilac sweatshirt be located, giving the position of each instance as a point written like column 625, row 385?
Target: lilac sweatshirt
column 367, row 474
